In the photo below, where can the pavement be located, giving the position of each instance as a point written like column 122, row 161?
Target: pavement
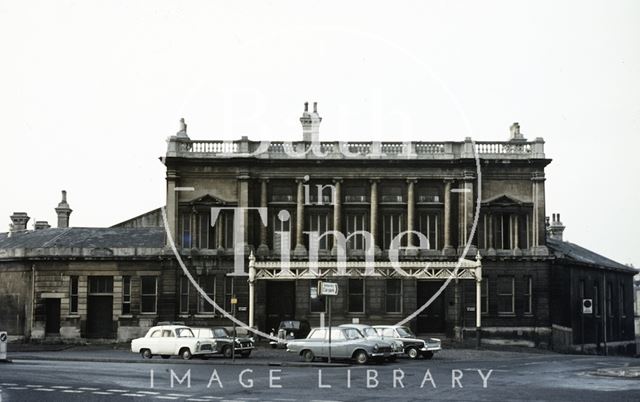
column 80, row 373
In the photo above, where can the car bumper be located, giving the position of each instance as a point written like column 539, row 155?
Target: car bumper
column 431, row 348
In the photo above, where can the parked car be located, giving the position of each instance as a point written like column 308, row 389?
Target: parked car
column 414, row 347
column 290, row 329
column 346, row 343
column 171, row 340
column 397, row 348
column 223, row 341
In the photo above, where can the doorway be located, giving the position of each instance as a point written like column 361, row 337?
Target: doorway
column 281, row 303
column 100, row 307
column 431, row 319
column 52, row 314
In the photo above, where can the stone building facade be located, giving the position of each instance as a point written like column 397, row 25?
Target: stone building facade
column 464, row 205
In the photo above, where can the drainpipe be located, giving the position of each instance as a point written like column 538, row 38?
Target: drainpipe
column 605, row 310
column 33, row 298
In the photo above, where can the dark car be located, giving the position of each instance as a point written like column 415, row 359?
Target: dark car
column 224, row 341
column 290, row 329
column 414, row 347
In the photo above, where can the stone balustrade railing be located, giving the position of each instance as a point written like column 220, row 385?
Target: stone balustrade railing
column 184, row 147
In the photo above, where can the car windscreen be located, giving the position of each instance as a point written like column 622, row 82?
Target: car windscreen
column 405, row 332
column 352, row 333
column 220, row 333
column 370, row 332
column 184, row 333
column 290, row 325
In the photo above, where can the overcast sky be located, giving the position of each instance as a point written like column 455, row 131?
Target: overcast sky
column 89, row 92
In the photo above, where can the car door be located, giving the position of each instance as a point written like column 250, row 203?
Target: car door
column 339, row 344
column 168, row 342
column 352, row 340
column 153, row 341
column 316, row 342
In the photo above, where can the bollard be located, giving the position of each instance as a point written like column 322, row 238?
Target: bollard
column 3, row 346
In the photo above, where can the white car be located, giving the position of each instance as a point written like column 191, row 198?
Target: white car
column 171, row 340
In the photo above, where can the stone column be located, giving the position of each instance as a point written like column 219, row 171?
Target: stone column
column 172, row 205
column 490, row 250
column 300, row 250
column 538, row 221
column 411, row 206
column 263, row 249
column 373, row 218
column 448, row 247
column 337, row 211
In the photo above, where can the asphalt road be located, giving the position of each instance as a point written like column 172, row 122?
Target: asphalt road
column 514, row 377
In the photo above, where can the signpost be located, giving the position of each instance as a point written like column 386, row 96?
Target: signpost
column 328, row 289
column 587, row 308
column 3, row 346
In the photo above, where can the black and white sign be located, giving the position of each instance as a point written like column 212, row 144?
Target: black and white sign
column 587, row 306
column 328, row 288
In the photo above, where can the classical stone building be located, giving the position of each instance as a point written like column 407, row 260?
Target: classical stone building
column 467, row 207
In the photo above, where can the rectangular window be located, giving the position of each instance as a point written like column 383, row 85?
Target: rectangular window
column 126, row 295
column 393, row 295
column 185, row 225
column 208, row 285
column 320, row 223
column 316, row 302
column 484, row 296
column 148, row 294
column 206, row 236
column 281, row 231
column 356, row 296
column 428, row 226
column 356, row 223
column 100, row 285
column 392, row 225
column 73, row 295
column 505, row 288
column 228, row 228
column 184, row 295
column 528, row 295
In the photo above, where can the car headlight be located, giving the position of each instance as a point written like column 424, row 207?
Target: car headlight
column 375, row 347
column 198, row 345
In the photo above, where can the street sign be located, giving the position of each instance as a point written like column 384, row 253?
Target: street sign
column 587, row 306
column 234, row 300
column 3, row 346
column 327, row 288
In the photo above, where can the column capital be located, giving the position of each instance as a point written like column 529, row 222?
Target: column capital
column 448, row 180
column 412, row 180
column 243, row 176
column 538, row 176
column 374, row 180
column 468, row 175
column 172, row 174
column 264, row 179
column 338, row 180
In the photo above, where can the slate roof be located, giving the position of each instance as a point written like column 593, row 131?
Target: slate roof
column 149, row 237
column 573, row 252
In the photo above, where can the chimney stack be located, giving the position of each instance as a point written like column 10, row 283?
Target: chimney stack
column 310, row 123
column 556, row 228
column 39, row 225
column 19, row 221
column 63, row 211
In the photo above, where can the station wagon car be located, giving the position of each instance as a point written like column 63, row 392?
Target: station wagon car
column 171, row 340
column 223, row 341
column 346, row 343
column 414, row 347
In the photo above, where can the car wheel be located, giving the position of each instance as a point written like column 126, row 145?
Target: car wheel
column 274, row 345
column 165, row 356
column 428, row 355
column 227, row 352
column 361, row 357
column 146, row 354
column 413, row 353
column 308, row 356
column 185, row 353
column 245, row 354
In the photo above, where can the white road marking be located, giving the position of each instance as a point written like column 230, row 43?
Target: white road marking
column 44, row 389
column 61, row 387
column 217, row 397
column 102, row 393
column 166, row 397
column 17, row 388
column 8, row 384
column 89, row 389
column 72, row 391
column 34, row 386
column 118, row 390
column 180, row 395
column 149, row 392
column 138, row 395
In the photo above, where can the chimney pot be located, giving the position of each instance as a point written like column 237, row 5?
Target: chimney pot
column 306, row 106
column 315, row 107
column 63, row 211
column 19, row 221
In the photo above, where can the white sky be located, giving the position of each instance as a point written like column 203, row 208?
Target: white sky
column 89, row 91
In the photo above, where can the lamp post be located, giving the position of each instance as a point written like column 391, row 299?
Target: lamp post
column 252, row 278
column 478, row 272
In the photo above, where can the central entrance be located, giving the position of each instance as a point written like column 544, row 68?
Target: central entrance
column 431, row 319
column 100, row 307
column 281, row 302
column 52, row 313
